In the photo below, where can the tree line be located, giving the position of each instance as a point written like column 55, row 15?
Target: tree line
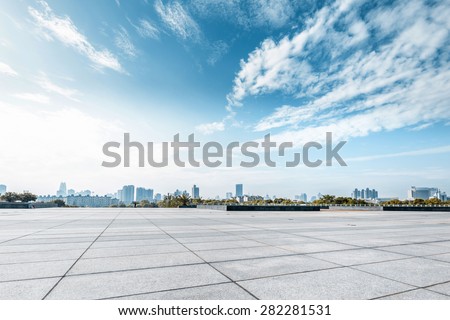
column 15, row 197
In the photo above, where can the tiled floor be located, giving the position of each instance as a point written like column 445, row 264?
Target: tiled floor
column 202, row 254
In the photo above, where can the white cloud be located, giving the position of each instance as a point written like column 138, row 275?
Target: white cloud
column 272, row 13
column 178, row 20
column 248, row 14
column 123, row 42
column 428, row 151
column 44, row 82
column 33, row 97
column 63, row 29
column 146, row 29
column 422, row 126
column 6, row 69
column 348, row 84
column 218, row 50
column 208, row 128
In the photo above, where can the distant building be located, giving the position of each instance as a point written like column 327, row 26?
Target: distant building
column 229, row 195
column 70, row 192
column 62, row 191
column 239, row 190
column 426, row 193
column 92, row 202
column 158, row 197
column 302, row 197
column 2, row 189
column 127, row 194
column 365, row 194
column 144, row 194
column 49, row 198
column 195, row 192
column 84, row 193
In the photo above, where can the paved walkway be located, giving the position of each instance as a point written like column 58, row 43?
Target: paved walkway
column 201, row 254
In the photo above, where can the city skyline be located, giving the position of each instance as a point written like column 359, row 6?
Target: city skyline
column 374, row 74
column 138, row 193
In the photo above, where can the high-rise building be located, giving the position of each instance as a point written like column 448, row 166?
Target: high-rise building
column 127, row 194
column 62, row 192
column 239, row 190
column 2, row 189
column 370, row 194
column 302, row 197
column 179, row 193
column 84, row 193
column 70, row 192
column 158, row 197
column 88, row 201
column 195, row 192
column 144, row 194
column 426, row 193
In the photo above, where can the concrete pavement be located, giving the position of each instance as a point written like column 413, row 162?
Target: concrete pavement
column 116, row 253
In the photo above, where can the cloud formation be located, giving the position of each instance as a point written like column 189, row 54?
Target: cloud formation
column 64, row 30
column 123, row 42
column 354, row 72
column 6, row 69
column 248, row 14
column 146, row 29
column 178, row 20
column 208, row 128
column 44, row 82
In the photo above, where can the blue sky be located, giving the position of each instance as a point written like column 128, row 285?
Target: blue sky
column 75, row 75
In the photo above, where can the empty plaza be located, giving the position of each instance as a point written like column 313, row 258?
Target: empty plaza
column 116, row 253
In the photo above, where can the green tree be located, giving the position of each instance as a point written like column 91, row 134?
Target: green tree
column 60, row 203
column 27, row 197
column 13, row 197
column 184, row 200
column 10, row 197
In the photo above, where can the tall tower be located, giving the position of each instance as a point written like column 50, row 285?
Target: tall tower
column 62, row 192
column 128, row 194
column 239, row 190
column 195, row 192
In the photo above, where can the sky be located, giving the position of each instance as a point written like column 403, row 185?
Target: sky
column 75, row 75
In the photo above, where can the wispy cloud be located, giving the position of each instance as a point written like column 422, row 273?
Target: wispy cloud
column 272, row 13
column 178, row 20
column 146, row 29
column 6, row 69
column 33, row 97
column 428, row 151
column 248, row 14
column 208, row 128
column 354, row 74
column 64, row 30
column 218, row 50
column 123, row 42
column 44, row 82
column 421, row 126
